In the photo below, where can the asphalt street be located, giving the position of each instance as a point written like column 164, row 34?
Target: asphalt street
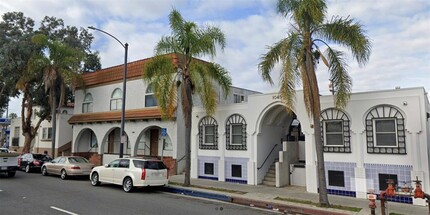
column 32, row 193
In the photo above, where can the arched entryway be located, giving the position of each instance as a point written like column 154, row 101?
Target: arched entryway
column 112, row 140
column 86, row 141
column 278, row 138
column 87, row 145
column 153, row 142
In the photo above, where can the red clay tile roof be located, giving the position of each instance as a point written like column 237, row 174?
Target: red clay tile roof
column 109, row 116
column 116, row 73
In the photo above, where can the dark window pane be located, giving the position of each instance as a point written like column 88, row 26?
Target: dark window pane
column 209, row 168
column 386, row 140
column 209, row 139
column 336, row 178
column 385, row 125
column 236, row 129
column 209, row 129
column 150, row 101
column 334, row 139
column 383, row 180
column 236, row 171
column 236, row 139
column 334, row 126
column 157, row 165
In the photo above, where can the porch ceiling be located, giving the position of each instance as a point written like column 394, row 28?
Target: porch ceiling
column 277, row 116
column 109, row 116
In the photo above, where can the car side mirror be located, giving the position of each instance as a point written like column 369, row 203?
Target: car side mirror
column 107, row 165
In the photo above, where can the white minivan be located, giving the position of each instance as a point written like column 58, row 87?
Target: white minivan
column 130, row 173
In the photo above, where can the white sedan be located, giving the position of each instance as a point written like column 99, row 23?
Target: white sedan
column 130, row 173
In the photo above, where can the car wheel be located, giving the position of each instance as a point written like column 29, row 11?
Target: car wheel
column 27, row 168
column 95, row 179
column 44, row 171
column 127, row 185
column 63, row 174
column 11, row 174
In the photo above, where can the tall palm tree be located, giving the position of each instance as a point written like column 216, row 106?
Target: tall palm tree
column 299, row 54
column 190, row 75
column 60, row 64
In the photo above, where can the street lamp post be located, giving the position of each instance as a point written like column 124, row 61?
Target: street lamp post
column 124, row 83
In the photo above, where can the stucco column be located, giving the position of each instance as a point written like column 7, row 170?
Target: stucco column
column 359, row 149
column 311, row 165
column 194, row 157
column 221, row 161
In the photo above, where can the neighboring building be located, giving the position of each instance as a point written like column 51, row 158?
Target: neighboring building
column 96, row 123
column 379, row 135
column 253, row 139
column 43, row 140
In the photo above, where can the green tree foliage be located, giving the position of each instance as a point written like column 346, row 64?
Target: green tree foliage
column 187, row 75
column 299, row 54
column 23, row 75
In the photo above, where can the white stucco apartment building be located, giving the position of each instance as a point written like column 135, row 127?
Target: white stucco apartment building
column 253, row 139
column 43, row 140
column 379, row 135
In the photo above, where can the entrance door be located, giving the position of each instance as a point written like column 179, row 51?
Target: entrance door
column 111, row 142
column 154, row 133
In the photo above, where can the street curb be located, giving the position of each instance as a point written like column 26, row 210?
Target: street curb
column 251, row 202
column 189, row 192
column 284, row 207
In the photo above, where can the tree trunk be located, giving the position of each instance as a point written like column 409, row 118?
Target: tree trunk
column 54, row 122
column 187, row 116
column 323, row 198
column 27, row 143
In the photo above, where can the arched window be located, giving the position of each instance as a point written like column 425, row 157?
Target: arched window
column 208, row 133
column 385, row 130
column 335, row 131
column 116, row 100
column 149, row 97
column 87, row 104
column 235, row 129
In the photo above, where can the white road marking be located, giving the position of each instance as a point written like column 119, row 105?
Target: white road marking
column 1, row 190
column 64, row 211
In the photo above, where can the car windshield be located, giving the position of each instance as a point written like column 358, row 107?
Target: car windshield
column 149, row 164
column 41, row 157
column 78, row 160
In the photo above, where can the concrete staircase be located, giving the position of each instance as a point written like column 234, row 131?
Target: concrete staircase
column 270, row 177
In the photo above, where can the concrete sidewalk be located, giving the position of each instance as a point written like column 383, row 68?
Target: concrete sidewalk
column 264, row 196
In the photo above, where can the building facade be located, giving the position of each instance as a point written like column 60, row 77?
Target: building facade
column 253, row 139
column 43, row 139
column 378, row 136
column 97, row 119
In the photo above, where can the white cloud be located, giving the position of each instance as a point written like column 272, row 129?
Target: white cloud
column 399, row 30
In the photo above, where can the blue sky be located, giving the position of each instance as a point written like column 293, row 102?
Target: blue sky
column 399, row 31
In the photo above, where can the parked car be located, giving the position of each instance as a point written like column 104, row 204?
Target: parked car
column 67, row 166
column 131, row 173
column 32, row 161
column 8, row 162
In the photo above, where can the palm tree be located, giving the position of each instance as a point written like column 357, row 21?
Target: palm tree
column 60, row 64
column 186, row 75
column 299, row 54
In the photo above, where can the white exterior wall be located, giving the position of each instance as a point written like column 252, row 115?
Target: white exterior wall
column 135, row 97
column 412, row 103
column 63, row 134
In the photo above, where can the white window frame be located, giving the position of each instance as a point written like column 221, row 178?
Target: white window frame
column 150, row 92
column 45, row 133
column 395, row 131
column 205, row 134
column 87, row 104
column 325, row 133
column 238, row 134
column 117, row 101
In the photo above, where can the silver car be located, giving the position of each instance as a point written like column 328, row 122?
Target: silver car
column 68, row 166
